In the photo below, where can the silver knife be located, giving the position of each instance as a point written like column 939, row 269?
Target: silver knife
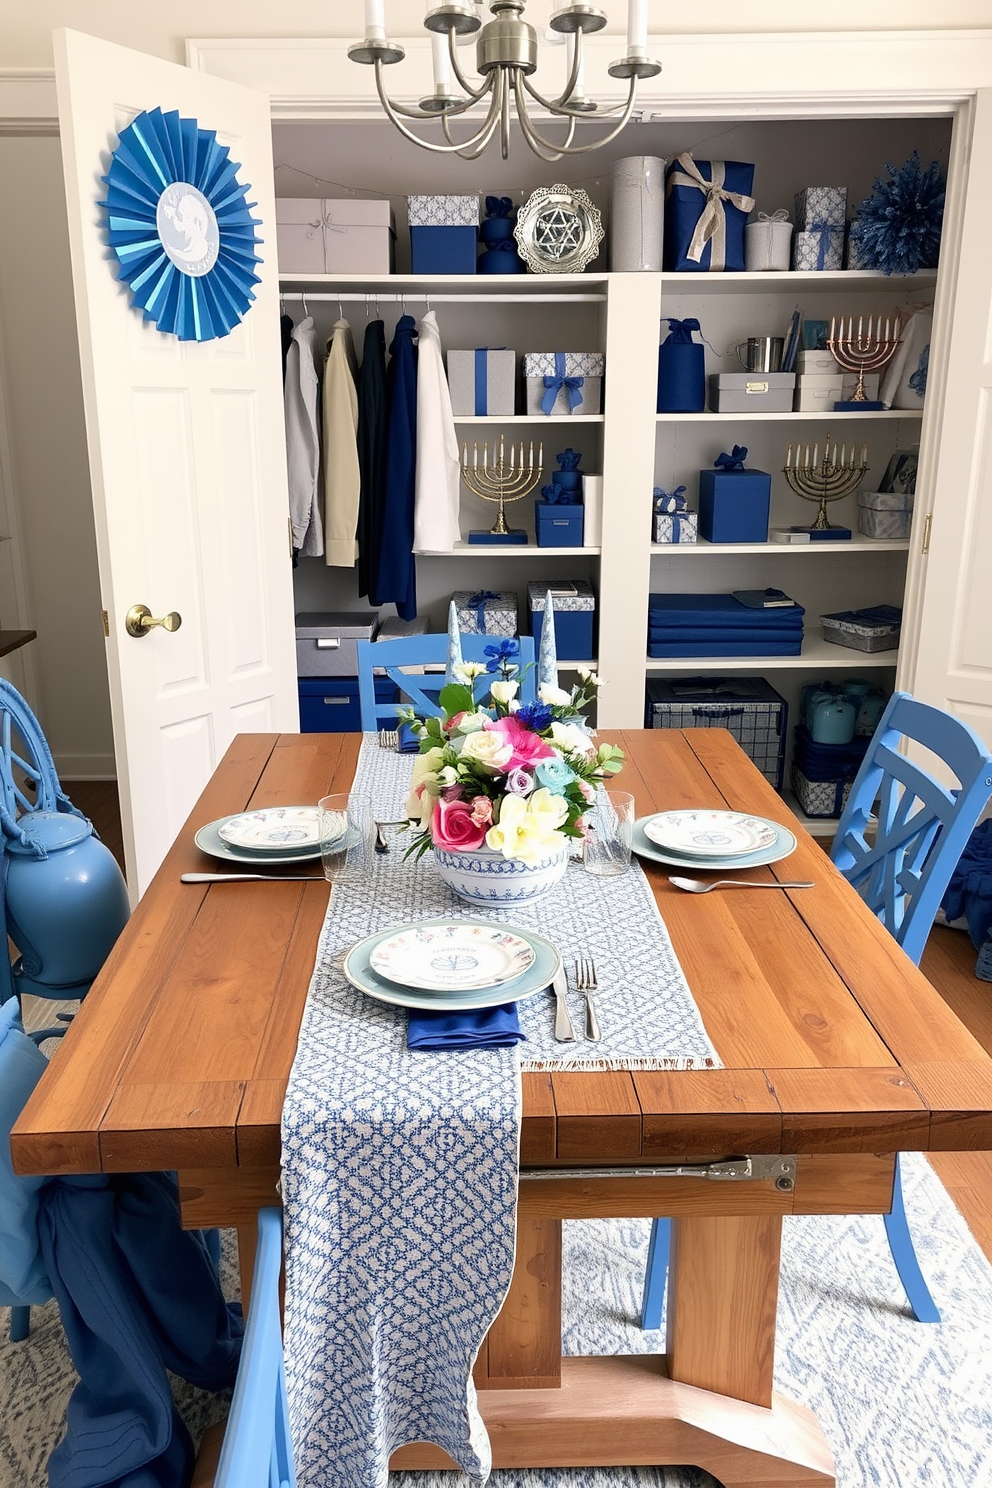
column 564, row 1032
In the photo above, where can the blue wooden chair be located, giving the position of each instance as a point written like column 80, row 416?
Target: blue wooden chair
column 897, row 843
column 421, row 690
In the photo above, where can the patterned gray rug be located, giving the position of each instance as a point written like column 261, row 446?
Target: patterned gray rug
column 903, row 1405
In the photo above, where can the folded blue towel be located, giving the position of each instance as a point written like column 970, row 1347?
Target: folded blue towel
column 709, row 633
column 408, row 741
column 717, row 610
column 787, row 647
column 482, row 1028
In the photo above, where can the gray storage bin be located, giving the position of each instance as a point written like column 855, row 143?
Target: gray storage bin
column 326, row 641
column 875, row 629
column 885, row 513
column 751, row 392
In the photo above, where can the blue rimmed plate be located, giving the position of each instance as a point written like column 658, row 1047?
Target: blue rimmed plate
column 537, row 977
column 209, row 841
column 784, row 844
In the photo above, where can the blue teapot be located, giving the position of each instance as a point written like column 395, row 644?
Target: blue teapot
column 833, row 719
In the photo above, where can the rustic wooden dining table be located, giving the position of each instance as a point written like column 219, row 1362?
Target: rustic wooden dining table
column 837, row 1054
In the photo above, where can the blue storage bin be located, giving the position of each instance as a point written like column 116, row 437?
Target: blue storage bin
column 575, row 614
column 681, row 370
column 558, row 526
column 443, row 250
column 329, row 705
column 734, row 505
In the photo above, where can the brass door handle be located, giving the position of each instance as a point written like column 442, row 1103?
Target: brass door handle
column 139, row 620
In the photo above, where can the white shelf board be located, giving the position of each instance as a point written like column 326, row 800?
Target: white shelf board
column 816, row 652
column 741, row 282
column 816, row 826
column 529, row 418
column 573, row 666
column 854, row 545
column 419, row 284
column 510, row 550
column 792, row 417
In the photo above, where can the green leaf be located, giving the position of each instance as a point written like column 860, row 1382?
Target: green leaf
column 456, row 698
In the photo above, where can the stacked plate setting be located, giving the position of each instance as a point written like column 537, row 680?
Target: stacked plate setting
column 271, row 837
column 711, row 839
column 452, row 966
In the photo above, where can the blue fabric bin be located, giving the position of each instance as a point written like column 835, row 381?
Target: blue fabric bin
column 574, row 625
column 329, row 705
column 558, row 526
column 443, row 250
column 734, row 505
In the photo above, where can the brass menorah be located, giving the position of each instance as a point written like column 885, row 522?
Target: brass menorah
column 866, row 349
column 838, row 474
column 497, row 479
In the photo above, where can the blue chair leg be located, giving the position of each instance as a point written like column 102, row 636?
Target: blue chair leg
column 923, row 1307
column 656, row 1273
column 20, row 1324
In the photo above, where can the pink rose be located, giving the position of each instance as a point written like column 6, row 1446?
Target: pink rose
column 453, row 722
column 482, row 811
column 527, row 746
column 454, row 826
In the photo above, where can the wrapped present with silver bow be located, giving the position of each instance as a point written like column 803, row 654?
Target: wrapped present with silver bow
column 320, row 235
column 569, row 382
column 486, row 611
column 768, row 242
column 816, row 204
column 443, row 234
column 706, row 208
column 818, row 247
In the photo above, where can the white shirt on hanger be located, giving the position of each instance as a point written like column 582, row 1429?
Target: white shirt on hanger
column 342, row 478
column 435, row 526
column 303, row 441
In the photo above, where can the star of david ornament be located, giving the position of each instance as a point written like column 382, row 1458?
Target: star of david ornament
column 558, row 230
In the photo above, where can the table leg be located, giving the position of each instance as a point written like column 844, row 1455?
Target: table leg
column 523, row 1348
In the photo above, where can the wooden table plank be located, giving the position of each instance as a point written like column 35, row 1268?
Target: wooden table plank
column 599, row 1117
column 853, row 1110
column 733, row 1111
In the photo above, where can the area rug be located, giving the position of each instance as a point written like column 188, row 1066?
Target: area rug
column 902, row 1404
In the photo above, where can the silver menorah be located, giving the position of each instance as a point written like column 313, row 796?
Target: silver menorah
column 838, row 474
column 866, row 349
column 497, row 479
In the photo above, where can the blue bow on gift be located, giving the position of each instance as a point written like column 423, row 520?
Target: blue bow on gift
column 478, row 602
column 670, row 501
column 569, row 459
column 733, row 461
column 556, row 495
column 555, row 384
column 680, row 332
column 823, row 246
column 499, row 206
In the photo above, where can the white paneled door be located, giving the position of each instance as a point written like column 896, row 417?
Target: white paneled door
column 187, row 463
column 954, row 657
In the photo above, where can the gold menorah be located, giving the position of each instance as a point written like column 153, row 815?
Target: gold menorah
column 501, row 481
column 838, row 474
column 866, row 349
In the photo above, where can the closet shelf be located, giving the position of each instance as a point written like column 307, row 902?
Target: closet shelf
column 865, row 281
column 510, row 550
column 855, row 545
column 816, row 826
column 530, row 418
column 794, row 418
column 816, row 653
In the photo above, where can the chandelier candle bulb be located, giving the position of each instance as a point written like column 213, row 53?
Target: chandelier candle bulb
column 375, row 20
column 637, row 26
column 441, row 63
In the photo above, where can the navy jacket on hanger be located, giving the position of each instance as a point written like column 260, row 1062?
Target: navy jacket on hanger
column 395, row 576
column 371, row 450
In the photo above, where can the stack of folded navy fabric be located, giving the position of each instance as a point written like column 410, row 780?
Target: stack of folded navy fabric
column 720, row 625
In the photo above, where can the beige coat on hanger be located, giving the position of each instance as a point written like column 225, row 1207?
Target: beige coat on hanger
column 342, row 480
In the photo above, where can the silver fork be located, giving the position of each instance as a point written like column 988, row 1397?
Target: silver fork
column 389, row 739
column 586, row 981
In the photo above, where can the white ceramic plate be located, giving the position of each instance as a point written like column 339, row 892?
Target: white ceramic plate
column 537, row 978
column 784, row 844
column 709, row 834
column 452, row 956
column 274, row 829
column 209, row 841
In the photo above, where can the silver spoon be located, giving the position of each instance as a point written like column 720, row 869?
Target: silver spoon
column 697, row 886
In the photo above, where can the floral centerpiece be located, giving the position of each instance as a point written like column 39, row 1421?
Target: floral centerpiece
column 501, row 786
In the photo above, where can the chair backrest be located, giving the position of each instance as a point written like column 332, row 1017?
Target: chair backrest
column 23, row 1278
column 25, row 764
column 426, row 650
column 922, row 825
column 257, row 1450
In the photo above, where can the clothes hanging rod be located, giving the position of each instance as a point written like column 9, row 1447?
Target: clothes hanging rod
column 374, row 298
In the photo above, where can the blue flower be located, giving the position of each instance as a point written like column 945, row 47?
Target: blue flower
column 536, row 716
column 555, row 775
column 501, row 655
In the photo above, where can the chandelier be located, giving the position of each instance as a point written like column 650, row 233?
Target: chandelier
column 506, row 59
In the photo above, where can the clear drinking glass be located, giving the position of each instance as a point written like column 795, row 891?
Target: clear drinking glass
column 610, row 819
column 345, row 826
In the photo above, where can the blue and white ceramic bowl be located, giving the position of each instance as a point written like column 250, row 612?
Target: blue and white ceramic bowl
column 486, row 877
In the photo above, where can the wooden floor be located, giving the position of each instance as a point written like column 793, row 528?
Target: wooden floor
column 948, row 962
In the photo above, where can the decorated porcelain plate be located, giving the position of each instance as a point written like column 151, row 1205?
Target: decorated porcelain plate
column 709, row 834
column 538, row 976
column 784, row 844
column 275, row 829
column 209, row 841
column 452, row 956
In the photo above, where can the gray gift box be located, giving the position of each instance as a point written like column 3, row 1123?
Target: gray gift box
column 818, row 206
column 751, row 392
column 482, row 382
column 587, row 365
column 327, row 641
column 806, row 250
column 885, row 513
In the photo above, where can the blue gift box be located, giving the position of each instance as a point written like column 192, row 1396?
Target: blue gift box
column 575, row 611
column 734, row 503
column 443, row 234
column 558, row 525
column 681, row 370
column 695, row 242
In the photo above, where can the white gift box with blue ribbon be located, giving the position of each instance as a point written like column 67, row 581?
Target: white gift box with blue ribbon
column 673, row 522
column 482, row 381
column 818, row 247
column 318, row 235
column 486, row 611
column 564, row 382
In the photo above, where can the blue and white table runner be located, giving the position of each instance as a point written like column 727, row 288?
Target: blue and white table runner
column 400, row 1168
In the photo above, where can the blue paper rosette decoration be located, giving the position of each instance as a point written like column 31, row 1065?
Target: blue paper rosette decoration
column 179, row 224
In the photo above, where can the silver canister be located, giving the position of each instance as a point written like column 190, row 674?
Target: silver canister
column 761, row 353
column 636, row 213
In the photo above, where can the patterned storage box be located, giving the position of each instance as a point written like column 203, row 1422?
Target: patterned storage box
column 885, row 513
column 749, row 708
column 443, row 234
column 564, row 381
column 486, row 612
column 818, row 206
column 819, row 797
column 575, row 611
column 814, row 250
column 676, row 527
column 874, row 629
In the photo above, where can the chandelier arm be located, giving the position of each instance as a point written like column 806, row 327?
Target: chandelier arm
column 504, row 114
column 487, row 129
column 563, row 111
column 570, row 149
column 540, row 146
column 474, row 93
column 471, row 149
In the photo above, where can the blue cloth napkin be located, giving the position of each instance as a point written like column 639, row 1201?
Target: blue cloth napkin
column 481, row 1028
column 407, row 741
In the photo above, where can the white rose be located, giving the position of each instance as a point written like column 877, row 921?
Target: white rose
column 467, row 671
column 555, row 697
column 486, row 751
column 447, row 776
column 504, row 692
column 426, row 764
column 591, row 678
column 470, row 723
column 571, row 736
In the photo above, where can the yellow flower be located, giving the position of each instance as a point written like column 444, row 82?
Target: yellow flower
column 426, row 764
column 527, row 829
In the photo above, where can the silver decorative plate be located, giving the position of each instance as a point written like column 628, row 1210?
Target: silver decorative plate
column 558, row 230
